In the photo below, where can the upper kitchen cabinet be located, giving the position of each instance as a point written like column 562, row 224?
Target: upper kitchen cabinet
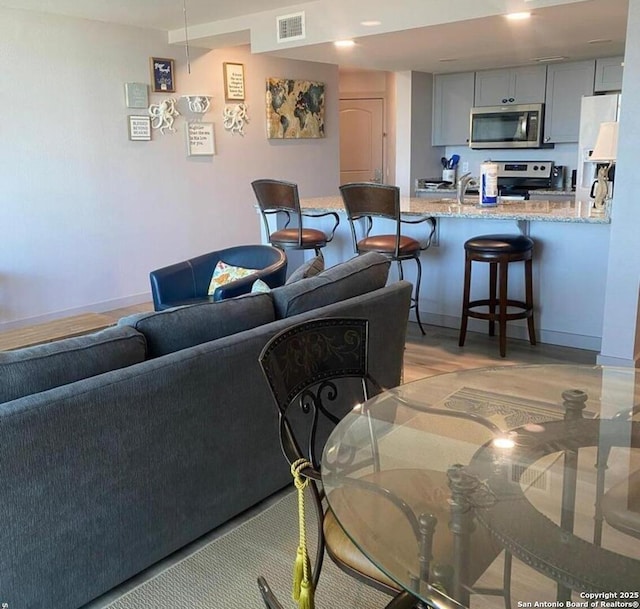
column 608, row 74
column 524, row 85
column 452, row 102
column 566, row 84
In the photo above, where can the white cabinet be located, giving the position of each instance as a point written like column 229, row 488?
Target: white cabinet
column 567, row 83
column 608, row 74
column 524, row 85
column 452, row 103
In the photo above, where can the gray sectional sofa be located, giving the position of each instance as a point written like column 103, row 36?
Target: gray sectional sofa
column 120, row 447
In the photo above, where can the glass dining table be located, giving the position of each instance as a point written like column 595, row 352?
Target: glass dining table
column 442, row 482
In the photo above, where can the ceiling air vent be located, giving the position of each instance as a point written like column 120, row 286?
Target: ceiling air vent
column 291, row 27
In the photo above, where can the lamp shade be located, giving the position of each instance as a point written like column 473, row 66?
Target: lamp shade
column 606, row 146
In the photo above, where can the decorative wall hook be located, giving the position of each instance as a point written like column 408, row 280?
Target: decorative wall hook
column 234, row 118
column 198, row 104
column 163, row 115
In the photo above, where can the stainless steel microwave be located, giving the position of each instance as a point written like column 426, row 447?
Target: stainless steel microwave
column 516, row 126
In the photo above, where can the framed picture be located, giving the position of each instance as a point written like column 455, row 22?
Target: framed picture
column 233, row 81
column 139, row 128
column 162, row 75
column 295, row 108
column 136, row 94
column 200, row 140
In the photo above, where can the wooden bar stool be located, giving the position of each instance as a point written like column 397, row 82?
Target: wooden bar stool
column 498, row 251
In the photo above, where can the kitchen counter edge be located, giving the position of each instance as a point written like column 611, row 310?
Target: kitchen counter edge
column 534, row 211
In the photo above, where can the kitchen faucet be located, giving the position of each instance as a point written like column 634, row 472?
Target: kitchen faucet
column 463, row 183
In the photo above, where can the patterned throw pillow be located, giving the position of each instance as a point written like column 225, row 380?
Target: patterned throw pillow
column 308, row 269
column 225, row 273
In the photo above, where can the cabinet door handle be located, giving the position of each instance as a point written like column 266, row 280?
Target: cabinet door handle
column 511, row 99
column 504, row 100
column 546, row 139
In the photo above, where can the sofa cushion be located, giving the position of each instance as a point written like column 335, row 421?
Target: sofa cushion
column 354, row 277
column 308, row 269
column 182, row 327
column 41, row 367
column 226, row 273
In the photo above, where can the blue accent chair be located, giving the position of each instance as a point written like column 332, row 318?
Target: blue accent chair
column 187, row 282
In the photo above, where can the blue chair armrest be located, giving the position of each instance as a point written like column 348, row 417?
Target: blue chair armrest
column 172, row 283
column 235, row 288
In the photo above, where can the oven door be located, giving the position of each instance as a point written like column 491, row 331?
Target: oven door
column 506, row 126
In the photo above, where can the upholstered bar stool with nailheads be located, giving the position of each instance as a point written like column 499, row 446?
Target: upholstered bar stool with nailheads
column 499, row 251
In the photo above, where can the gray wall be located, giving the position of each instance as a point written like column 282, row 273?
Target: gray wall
column 86, row 213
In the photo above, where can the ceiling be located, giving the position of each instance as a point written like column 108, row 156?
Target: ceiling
column 559, row 31
column 566, row 30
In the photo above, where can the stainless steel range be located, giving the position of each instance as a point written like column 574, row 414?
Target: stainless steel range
column 517, row 178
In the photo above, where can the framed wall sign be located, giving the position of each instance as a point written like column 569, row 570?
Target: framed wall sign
column 162, row 75
column 200, row 140
column 139, row 128
column 233, row 81
column 136, row 94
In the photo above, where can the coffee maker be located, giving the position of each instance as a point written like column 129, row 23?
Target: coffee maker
column 558, row 176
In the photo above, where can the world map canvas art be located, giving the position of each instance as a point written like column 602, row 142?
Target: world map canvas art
column 295, row 108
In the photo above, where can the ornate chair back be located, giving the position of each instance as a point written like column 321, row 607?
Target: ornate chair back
column 317, row 372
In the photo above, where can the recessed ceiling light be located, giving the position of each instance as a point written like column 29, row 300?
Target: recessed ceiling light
column 370, row 23
column 518, row 16
column 343, row 44
column 548, row 59
column 599, row 41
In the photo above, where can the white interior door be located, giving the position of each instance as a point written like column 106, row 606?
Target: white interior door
column 361, row 140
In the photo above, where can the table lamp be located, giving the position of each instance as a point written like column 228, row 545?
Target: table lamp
column 605, row 150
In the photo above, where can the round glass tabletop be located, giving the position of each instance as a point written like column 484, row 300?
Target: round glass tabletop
column 473, row 467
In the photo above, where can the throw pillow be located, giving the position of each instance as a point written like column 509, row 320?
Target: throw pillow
column 225, row 273
column 259, row 286
column 308, row 269
column 354, row 277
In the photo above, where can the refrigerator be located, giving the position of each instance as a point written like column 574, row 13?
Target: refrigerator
column 595, row 109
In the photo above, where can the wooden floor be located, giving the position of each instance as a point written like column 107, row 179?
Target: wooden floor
column 435, row 353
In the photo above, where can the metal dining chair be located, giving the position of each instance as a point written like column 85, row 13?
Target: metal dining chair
column 317, row 372
column 280, row 199
column 365, row 201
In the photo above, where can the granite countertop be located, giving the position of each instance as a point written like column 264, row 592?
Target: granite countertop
column 537, row 211
column 472, row 192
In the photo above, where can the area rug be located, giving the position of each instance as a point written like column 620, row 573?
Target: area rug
column 222, row 574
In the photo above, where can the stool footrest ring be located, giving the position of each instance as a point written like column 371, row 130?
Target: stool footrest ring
column 485, row 302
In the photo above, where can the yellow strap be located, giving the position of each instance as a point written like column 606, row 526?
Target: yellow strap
column 302, row 584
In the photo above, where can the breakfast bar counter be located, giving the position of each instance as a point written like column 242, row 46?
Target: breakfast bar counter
column 534, row 211
column 569, row 269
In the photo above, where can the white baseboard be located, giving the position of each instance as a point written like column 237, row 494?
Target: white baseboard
column 608, row 360
column 516, row 330
column 96, row 307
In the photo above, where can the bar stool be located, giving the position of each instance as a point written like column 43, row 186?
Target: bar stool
column 277, row 197
column 498, row 251
column 366, row 201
